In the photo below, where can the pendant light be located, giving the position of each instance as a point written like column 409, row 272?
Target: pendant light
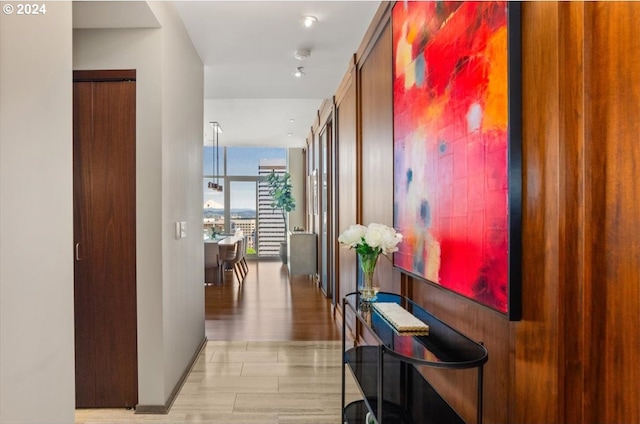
column 217, row 129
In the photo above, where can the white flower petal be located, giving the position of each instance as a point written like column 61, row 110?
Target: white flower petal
column 376, row 236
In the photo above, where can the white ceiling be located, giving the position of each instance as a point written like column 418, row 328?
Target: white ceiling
column 247, row 48
column 113, row 14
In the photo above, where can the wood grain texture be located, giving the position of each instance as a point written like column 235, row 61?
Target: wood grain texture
column 105, row 226
column 537, row 335
column 346, row 187
column 376, row 104
column 104, row 75
column 480, row 324
column 573, row 264
column 347, row 83
column 325, row 112
column 377, row 26
column 613, row 210
column 85, row 320
column 269, row 305
column 574, row 356
column 590, row 250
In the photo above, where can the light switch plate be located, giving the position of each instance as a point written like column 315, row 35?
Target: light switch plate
column 178, row 231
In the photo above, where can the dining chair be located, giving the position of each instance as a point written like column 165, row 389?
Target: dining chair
column 243, row 260
column 233, row 257
column 238, row 266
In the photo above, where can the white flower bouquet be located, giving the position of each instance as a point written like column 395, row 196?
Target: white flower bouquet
column 369, row 242
column 376, row 238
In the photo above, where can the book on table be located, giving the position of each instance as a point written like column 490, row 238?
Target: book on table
column 400, row 319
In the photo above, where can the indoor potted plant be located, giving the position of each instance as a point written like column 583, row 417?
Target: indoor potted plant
column 280, row 191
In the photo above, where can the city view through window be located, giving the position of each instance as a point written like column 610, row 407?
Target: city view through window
column 243, row 206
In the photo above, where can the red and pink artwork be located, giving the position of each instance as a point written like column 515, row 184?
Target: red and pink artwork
column 451, row 146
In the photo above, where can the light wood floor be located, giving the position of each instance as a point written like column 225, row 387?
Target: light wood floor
column 273, row 357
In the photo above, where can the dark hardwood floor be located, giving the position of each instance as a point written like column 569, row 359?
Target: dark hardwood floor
column 268, row 305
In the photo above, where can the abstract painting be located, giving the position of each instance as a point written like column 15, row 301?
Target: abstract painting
column 457, row 183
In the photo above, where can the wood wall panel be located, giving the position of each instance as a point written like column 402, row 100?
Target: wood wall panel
column 315, row 137
column 537, row 337
column 577, row 346
column 613, row 210
column 376, row 102
column 572, row 260
column 346, row 186
column 483, row 325
column 574, row 356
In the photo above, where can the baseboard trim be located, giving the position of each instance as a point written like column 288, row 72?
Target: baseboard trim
column 164, row 409
column 152, row 409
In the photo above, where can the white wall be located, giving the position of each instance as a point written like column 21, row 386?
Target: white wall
column 169, row 188
column 182, row 198
column 36, row 218
column 140, row 49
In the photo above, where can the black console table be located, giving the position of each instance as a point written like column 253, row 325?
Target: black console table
column 387, row 371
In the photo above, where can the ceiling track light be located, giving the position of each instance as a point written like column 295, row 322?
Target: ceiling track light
column 299, row 72
column 308, row 21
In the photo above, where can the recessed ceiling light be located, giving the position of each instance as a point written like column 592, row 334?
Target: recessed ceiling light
column 299, row 72
column 309, row 21
column 292, row 120
column 289, row 134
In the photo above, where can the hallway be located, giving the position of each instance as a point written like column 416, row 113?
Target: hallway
column 268, row 306
column 273, row 356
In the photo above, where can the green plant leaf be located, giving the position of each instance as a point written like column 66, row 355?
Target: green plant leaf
column 280, row 189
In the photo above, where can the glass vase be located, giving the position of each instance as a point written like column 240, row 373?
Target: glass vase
column 368, row 291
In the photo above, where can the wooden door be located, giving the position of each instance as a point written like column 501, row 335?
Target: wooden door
column 104, row 122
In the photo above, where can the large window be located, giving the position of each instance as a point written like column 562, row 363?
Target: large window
column 243, row 206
